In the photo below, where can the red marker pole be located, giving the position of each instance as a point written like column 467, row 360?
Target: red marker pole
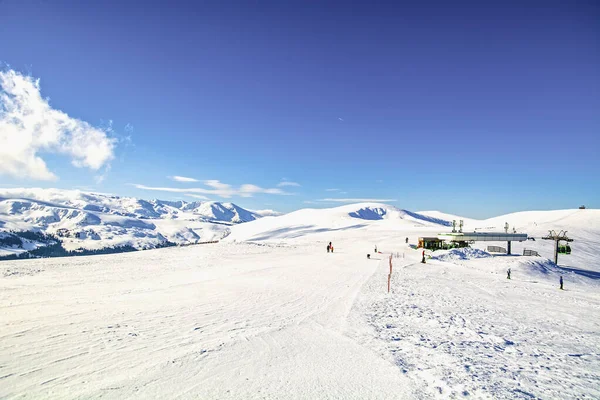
column 390, row 274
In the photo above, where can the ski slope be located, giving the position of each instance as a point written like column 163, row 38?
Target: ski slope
column 267, row 313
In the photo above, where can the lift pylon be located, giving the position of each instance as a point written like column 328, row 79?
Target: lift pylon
column 557, row 237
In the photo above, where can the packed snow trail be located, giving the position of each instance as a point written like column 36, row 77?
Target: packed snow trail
column 213, row 321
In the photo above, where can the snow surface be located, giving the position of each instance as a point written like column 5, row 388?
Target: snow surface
column 95, row 221
column 267, row 313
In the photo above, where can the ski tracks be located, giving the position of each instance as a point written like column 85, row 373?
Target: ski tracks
column 454, row 340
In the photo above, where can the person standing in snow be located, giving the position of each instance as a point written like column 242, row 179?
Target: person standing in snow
column 328, row 247
column 406, row 240
column 423, row 260
column 375, row 248
column 508, row 274
column 561, row 283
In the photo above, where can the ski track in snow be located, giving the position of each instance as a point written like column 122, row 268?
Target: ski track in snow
column 459, row 331
column 215, row 321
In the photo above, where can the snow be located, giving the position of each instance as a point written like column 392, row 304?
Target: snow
column 267, row 313
column 267, row 213
column 95, row 221
column 466, row 253
column 466, row 330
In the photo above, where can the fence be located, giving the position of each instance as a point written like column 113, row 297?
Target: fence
column 496, row 249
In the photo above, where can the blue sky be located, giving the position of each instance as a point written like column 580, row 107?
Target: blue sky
column 472, row 108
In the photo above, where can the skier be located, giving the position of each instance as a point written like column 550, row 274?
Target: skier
column 375, row 248
column 332, row 248
column 328, row 247
column 508, row 274
column 561, row 283
column 406, row 240
column 423, row 260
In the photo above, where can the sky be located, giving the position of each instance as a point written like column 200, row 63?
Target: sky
column 471, row 108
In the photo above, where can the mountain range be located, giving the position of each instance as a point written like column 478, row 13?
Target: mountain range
column 77, row 222
column 93, row 221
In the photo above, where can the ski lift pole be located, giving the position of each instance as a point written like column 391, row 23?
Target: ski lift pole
column 562, row 235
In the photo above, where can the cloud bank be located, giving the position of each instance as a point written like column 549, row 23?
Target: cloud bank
column 217, row 188
column 288, row 183
column 358, row 200
column 30, row 126
column 182, row 179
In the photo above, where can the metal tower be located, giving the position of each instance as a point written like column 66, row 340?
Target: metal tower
column 552, row 235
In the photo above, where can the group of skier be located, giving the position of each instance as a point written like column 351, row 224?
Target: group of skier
column 508, row 271
column 330, row 250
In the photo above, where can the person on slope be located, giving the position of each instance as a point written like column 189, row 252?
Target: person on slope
column 328, row 247
column 508, row 274
column 561, row 283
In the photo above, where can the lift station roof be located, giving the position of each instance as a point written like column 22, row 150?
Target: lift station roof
column 483, row 237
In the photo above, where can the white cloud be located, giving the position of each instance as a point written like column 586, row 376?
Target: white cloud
column 217, row 185
column 197, row 196
column 182, row 179
column 30, row 126
column 288, row 183
column 220, row 189
column 332, row 190
column 341, row 119
column 358, row 200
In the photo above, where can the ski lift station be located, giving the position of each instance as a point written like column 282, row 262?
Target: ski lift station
column 462, row 239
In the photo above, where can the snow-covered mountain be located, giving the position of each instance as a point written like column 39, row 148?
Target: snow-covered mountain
column 335, row 221
column 129, row 206
column 94, row 221
column 385, row 221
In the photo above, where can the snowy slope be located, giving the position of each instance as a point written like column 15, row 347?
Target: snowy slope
column 581, row 225
column 450, row 217
column 96, row 221
column 286, row 320
column 332, row 222
column 456, row 327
